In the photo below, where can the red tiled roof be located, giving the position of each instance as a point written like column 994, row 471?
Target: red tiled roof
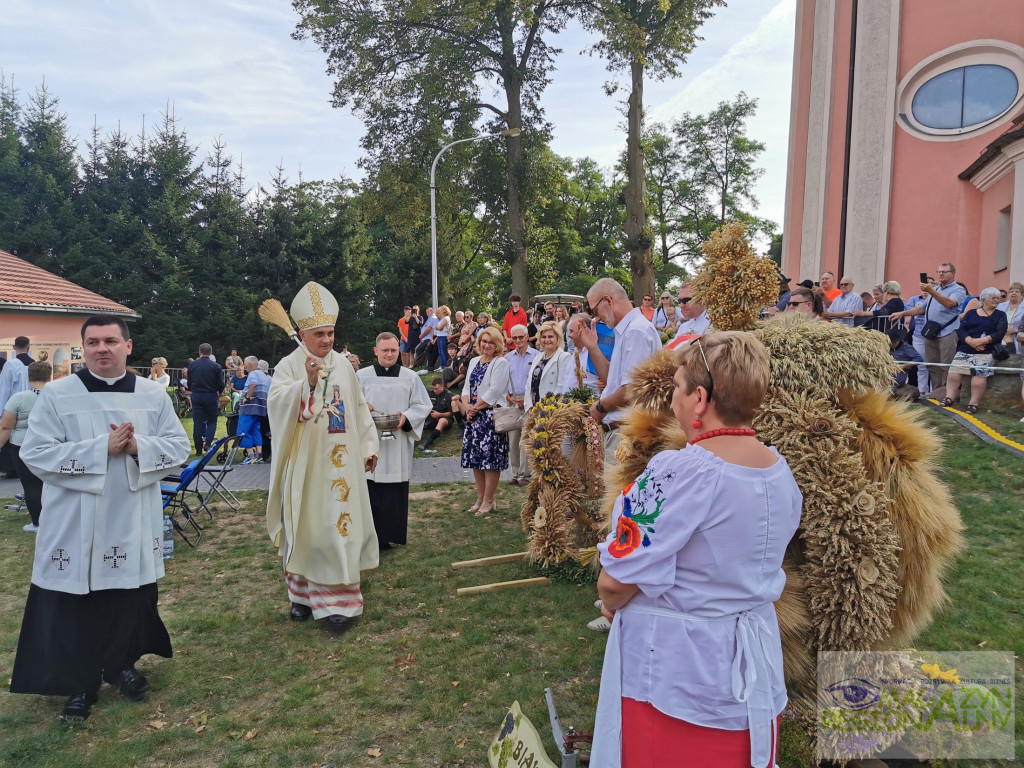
column 26, row 286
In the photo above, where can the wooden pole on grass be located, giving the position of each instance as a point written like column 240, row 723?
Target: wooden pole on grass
column 489, row 560
column 502, row 585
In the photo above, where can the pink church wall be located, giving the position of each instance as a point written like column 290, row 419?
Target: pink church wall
column 995, row 199
column 934, row 216
column 803, row 61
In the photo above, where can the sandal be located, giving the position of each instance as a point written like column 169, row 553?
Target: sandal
column 946, row 402
column 971, row 408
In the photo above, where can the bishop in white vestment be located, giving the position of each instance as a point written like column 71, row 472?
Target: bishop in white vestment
column 318, row 510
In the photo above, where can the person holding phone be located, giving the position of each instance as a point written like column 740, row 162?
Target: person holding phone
column 942, row 320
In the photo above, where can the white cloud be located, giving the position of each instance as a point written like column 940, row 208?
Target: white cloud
column 231, row 69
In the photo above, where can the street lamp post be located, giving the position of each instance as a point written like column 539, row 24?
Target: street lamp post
column 433, row 203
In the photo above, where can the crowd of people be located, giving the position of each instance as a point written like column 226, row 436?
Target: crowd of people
column 339, row 489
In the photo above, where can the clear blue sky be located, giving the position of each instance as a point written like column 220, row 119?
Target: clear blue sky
column 231, row 69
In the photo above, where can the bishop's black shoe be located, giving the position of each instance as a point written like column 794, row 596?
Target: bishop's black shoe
column 78, row 707
column 300, row 612
column 337, row 623
column 132, row 684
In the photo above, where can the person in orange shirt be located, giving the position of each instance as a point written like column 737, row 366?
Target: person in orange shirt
column 647, row 307
column 403, row 330
column 827, row 289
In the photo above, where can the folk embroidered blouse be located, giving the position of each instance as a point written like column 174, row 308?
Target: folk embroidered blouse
column 704, row 540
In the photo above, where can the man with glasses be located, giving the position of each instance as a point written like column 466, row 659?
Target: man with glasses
column 801, row 300
column 519, row 360
column 943, row 309
column 695, row 316
column 636, row 339
column 647, row 306
column 842, row 307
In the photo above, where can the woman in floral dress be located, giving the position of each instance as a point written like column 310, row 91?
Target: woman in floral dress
column 484, row 450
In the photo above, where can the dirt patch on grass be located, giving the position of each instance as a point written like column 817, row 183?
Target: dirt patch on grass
column 426, row 496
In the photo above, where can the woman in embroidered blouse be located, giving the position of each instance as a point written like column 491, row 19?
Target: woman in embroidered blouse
column 693, row 667
column 484, row 450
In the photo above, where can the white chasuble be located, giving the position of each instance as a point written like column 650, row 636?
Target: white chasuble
column 404, row 393
column 101, row 525
column 318, row 510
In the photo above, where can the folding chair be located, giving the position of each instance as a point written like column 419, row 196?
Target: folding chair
column 176, row 499
column 176, row 489
column 214, row 476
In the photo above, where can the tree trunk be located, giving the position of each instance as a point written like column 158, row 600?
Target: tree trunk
column 514, row 154
column 638, row 235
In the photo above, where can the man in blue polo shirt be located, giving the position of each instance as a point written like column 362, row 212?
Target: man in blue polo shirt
column 942, row 307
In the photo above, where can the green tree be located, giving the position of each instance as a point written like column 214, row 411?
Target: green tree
column 643, row 37
column 418, row 73
column 48, row 184
column 719, row 169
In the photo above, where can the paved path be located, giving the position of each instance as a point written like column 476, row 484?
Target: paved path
column 427, row 469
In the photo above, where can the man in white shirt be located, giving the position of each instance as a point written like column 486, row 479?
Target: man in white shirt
column 636, row 339
column 428, row 341
column 695, row 316
column 579, row 369
column 519, row 360
column 842, row 307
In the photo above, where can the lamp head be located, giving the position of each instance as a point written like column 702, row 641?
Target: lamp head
column 512, row 132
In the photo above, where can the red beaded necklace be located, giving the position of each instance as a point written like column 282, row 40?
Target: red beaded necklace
column 726, row 431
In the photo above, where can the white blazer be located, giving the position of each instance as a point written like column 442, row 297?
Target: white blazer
column 551, row 377
column 494, row 387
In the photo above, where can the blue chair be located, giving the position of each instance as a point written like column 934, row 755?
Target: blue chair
column 176, row 490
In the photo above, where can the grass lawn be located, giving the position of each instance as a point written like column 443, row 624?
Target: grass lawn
column 425, row 676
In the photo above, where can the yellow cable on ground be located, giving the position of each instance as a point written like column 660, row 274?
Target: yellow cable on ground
column 981, row 426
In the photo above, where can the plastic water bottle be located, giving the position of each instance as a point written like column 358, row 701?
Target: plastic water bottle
column 168, row 538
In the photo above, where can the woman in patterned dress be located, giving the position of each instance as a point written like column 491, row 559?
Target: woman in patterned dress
column 484, row 450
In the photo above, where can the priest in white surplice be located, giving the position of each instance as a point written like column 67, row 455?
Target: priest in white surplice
column 318, row 510
column 390, row 388
column 100, row 440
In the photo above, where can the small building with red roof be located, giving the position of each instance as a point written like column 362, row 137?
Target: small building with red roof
column 49, row 310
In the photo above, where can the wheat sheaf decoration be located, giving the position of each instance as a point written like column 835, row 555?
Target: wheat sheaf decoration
column 560, row 511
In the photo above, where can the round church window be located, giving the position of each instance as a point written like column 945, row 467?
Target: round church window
column 965, row 96
column 962, row 90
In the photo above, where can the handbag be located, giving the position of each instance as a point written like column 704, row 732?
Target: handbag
column 508, row 419
column 1000, row 352
column 933, row 328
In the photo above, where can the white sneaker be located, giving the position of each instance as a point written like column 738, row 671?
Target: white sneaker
column 597, row 604
column 31, row 528
column 600, row 624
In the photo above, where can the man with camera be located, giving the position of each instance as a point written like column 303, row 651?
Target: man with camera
column 941, row 320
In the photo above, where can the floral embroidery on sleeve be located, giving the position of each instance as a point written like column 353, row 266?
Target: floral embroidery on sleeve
column 636, row 523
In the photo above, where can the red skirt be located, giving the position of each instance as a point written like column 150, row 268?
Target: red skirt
column 652, row 739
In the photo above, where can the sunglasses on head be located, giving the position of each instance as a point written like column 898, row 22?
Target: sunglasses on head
column 711, row 382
